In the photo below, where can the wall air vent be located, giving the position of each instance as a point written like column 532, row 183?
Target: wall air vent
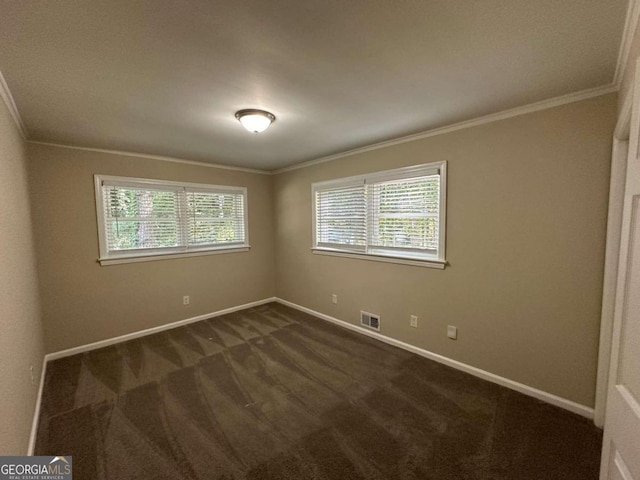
column 370, row 320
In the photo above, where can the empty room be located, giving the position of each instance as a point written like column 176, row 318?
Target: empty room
column 361, row 239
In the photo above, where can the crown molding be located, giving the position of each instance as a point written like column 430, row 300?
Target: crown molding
column 630, row 26
column 153, row 157
column 631, row 23
column 493, row 117
column 5, row 93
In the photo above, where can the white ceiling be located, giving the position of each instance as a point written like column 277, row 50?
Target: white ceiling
column 165, row 77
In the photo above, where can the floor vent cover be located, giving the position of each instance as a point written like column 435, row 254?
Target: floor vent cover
column 370, row 320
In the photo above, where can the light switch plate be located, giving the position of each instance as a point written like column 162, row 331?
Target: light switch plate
column 452, row 332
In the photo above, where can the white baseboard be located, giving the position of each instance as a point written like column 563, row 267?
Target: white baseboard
column 570, row 405
column 36, row 413
column 505, row 382
column 123, row 338
column 150, row 331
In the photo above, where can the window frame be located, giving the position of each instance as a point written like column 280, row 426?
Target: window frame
column 149, row 254
column 437, row 261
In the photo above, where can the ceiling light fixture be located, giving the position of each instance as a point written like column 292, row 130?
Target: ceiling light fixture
column 255, row 121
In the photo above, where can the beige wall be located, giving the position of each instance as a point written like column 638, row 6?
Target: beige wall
column 84, row 302
column 21, row 342
column 526, row 223
column 527, row 206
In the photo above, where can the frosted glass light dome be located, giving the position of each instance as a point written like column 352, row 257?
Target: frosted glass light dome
column 255, row 121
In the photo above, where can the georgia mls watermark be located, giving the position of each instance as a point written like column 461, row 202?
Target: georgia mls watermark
column 36, row 468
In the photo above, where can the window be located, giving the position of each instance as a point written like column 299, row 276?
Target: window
column 395, row 215
column 142, row 219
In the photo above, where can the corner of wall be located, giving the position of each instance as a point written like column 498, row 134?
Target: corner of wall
column 22, row 342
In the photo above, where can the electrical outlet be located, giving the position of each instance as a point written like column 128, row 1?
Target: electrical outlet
column 452, row 332
column 413, row 321
column 334, row 299
column 186, row 300
column 33, row 377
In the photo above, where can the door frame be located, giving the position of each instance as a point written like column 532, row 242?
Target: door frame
column 612, row 251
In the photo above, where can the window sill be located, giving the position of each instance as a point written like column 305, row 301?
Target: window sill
column 438, row 264
column 116, row 260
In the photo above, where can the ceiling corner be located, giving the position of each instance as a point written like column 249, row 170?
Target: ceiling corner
column 630, row 26
column 5, row 93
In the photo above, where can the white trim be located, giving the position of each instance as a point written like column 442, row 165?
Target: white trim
column 184, row 249
column 442, row 223
column 36, row 412
column 432, row 168
column 122, row 338
column 5, row 93
column 417, row 257
column 630, row 25
column 153, row 157
column 149, row 331
column 135, row 182
column 103, row 247
column 612, row 255
column 623, row 125
column 629, row 399
column 623, row 470
column 617, row 399
column 493, row 117
column 570, row 405
column 533, row 392
column 168, row 256
column 439, row 264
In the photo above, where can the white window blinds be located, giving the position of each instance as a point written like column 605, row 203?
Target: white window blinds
column 396, row 213
column 215, row 218
column 140, row 218
column 143, row 217
column 341, row 217
column 404, row 214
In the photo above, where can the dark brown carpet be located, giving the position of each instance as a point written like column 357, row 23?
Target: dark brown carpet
column 272, row 393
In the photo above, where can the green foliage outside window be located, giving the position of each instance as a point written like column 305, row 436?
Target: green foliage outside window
column 150, row 218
